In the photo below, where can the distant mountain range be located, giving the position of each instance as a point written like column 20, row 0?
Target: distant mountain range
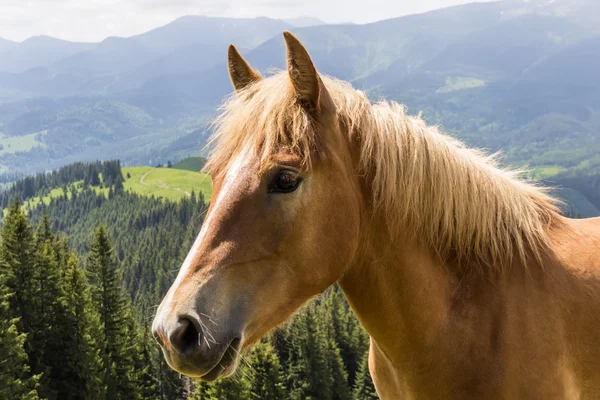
column 512, row 75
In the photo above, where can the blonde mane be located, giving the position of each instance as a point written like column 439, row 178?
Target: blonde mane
column 455, row 199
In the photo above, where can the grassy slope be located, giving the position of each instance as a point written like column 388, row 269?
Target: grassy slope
column 13, row 144
column 168, row 183
column 194, row 164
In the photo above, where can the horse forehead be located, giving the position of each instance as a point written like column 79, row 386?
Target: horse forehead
column 240, row 167
column 287, row 157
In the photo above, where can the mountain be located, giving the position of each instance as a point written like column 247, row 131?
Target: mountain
column 38, row 51
column 112, row 56
column 170, row 49
column 507, row 47
column 191, row 43
column 192, row 58
column 582, row 12
column 344, row 51
column 6, row 45
column 574, row 68
column 517, row 76
column 246, row 32
column 355, row 51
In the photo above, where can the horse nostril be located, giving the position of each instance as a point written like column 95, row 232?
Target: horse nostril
column 156, row 334
column 186, row 337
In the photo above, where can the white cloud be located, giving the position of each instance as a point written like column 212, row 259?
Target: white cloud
column 93, row 20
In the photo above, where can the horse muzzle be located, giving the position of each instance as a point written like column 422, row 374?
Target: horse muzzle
column 192, row 348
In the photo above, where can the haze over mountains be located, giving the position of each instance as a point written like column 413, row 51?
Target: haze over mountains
column 521, row 76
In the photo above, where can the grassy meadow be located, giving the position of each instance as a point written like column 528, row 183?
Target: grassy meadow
column 167, row 183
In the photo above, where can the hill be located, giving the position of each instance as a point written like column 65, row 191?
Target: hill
column 194, row 164
column 5, row 45
column 38, row 51
column 161, row 183
column 168, row 183
column 108, row 178
column 187, row 44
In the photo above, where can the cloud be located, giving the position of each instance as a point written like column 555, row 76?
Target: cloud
column 204, row 5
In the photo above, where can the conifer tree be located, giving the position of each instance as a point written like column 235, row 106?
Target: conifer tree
column 229, row 388
column 16, row 381
column 43, row 231
column 110, row 301
column 17, row 253
column 309, row 375
column 94, row 178
column 264, row 373
column 363, row 387
column 344, row 328
column 48, row 318
column 147, row 375
column 82, row 371
column 119, row 188
column 330, row 316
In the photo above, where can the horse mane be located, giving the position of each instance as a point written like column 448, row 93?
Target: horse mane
column 454, row 198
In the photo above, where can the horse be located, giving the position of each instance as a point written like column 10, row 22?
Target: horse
column 468, row 279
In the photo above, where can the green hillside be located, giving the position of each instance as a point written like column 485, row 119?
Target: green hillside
column 168, row 183
column 194, row 164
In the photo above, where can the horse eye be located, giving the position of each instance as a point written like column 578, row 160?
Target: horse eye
column 284, row 182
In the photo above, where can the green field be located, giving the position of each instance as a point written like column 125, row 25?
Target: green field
column 13, row 144
column 168, row 183
column 547, row 171
column 459, row 83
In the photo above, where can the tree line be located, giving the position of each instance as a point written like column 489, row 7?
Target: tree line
column 107, row 262
column 41, row 183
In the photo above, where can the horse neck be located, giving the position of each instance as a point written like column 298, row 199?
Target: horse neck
column 400, row 292
column 400, row 289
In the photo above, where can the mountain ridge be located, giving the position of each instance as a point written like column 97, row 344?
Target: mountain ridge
column 509, row 76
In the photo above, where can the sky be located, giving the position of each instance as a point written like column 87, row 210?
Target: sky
column 94, row 20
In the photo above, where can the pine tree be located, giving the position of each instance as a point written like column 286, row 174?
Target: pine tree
column 94, row 178
column 82, row 366
column 344, row 328
column 264, row 373
column 329, row 313
column 16, row 381
column 309, row 375
column 147, row 381
column 44, row 228
column 48, row 312
column 119, row 188
column 363, row 387
column 17, row 253
column 110, row 301
column 229, row 388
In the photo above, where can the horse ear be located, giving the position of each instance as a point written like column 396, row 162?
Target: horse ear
column 240, row 72
column 303, row 73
